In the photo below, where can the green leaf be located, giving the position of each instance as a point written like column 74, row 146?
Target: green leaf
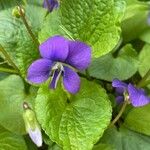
column 108, row 67
column 35, row 2
column 12, row 93
column 103, row 147
column 77, row 124
column 4, row 4
column 15, row 38
column 54, row 147
column 124, row 139
column 10, row 141
column 129, row 2
column 144, row 58
column 95, row 22
column 145, row 36
column 138, row 119
column 135, row 19
column 3, row 75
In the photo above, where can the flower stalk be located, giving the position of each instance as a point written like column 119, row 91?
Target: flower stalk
column 7, row 70
column 87, row 73
column 7, row 57
column 22, row 14
column 25, row 2
column 120, row 113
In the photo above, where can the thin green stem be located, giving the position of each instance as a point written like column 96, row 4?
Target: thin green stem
column 147, row 82
column 67, row 32
column 7, row 70
column 143, row 81
column 120, row 113
column 26, row 86
column 87, row 73
column 25, row 2
column 7, row 57
column 36, row 42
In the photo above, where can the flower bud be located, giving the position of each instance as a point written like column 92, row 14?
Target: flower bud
column 50, row 4
column 16, row 12
column 32, row 126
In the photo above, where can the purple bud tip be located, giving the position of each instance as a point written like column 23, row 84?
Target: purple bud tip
column 50, row 4
column 36, row 136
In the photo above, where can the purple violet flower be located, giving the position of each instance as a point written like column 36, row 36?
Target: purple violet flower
column 137, row 96
column 50, row 4
column 59, row 57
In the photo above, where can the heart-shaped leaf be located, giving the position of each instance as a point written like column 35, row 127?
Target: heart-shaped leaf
column 95, row 22
column 76, row 122
column 138, row 119
column 10, row 141
column 12, row 93
column 15, row 38
column 108, row 67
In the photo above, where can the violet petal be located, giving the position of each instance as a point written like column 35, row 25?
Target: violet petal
column 79, row 55
column 50, row 4
column 137, row 96
column 119, row 84
column 119, row 99
column 36, row 136
column 39, row 70
column 55, row 48
column 71, row 80
column 119, row 91
column 55, row 79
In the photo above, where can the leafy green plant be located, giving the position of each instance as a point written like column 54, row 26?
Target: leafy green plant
column 74, row 75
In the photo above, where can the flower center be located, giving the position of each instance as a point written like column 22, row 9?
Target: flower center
column 57, row 66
